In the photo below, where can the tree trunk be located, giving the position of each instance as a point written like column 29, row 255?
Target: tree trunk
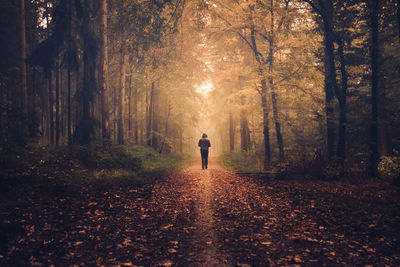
column 85, row 123
column 398, row 17
column 115, row 113
column 180, row 140
column 130, row 105
column 105, row 110
column 341, row 148
column 263, row 93
column 57, row 102
column 244, row 133
column 78, row 108
column 2, row 126
column 244, row 124
column 141, row 128
column 69, row 73
column 374, row 85
column 272, row 87
column 267, row 150
column 24, row 93
column 244, row 127
column 154, row 119
column 331, row 85
column 135, row 118
column 149, row 107
column 122, row 83
column 166, row 128
column 51, row 121
column 231, row 133
column 385, row 139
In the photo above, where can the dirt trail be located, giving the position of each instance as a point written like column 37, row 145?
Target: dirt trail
column 204, row 218
column 205, row 242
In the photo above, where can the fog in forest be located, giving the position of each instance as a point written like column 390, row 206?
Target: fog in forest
column 103, row 104
column 281, row 81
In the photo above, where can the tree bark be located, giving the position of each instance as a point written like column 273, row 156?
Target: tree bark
column 122, row 83
column 69, row 73
column 24, row 93
column 272, row 87
column 398, row 18
column 149, row 100
column 374, row 85
column 231, row 133
column 263, row 93
column 135, row 118
column 105, row 110
column 166, row 128
column 341, row 148
column 385, row 139
column 51, row 120
column 57, row 102
column 62, row 105
column 244, row 128
column 85, row 123
column 130, row 105
column 267, row 150
column 244, row 133
column 331, row 86
column 154, row 119
column 180, row 140
column 330, row 53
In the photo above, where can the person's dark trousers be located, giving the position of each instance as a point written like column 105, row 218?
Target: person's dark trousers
column 204, row 158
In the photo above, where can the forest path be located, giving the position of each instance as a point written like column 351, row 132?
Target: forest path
column 204, row 218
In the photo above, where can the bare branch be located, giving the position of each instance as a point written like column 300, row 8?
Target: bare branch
column 287, row 77
column 258, row 90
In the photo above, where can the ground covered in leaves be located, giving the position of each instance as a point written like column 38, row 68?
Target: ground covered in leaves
column 204, row 218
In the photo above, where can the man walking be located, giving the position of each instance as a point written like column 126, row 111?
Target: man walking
column 204, row 144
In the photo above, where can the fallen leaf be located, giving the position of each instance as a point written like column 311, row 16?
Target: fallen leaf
column 172, row 250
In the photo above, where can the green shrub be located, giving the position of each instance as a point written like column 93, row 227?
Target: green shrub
column 62, row 165
column 332, row 171
column 389, row 168
column 119, row 157
column 246, row 162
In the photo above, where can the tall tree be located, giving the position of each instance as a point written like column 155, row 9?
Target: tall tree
column 85, row 127
column 342, row 98
column 121, row 95
column 374, row 24
column 69, row 69
column 51, row 107
column 271, row 81
column 155, row 116
column 398, row 18
column 231, row 133
column 261, row 62
column 149, row 114
column 57, row 101
column 105, row 113
column 325, row 9
column 24, row 93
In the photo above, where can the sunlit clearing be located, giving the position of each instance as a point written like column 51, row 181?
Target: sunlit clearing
column 205, row 88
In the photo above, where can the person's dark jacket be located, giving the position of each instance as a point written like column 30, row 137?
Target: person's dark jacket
column 204, row 144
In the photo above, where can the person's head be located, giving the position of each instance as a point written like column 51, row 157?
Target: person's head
column 204, row 135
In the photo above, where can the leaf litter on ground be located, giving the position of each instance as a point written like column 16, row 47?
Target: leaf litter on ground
column 249, row 222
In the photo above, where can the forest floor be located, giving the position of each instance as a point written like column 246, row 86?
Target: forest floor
column 205, row 218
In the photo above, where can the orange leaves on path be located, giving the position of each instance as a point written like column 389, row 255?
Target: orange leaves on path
column 205, row 217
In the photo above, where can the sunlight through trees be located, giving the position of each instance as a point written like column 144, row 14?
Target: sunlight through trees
column 287, row 80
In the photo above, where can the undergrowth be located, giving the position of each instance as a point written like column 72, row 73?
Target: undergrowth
column 310, row 168
column 102, row 165
column 243, row 162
